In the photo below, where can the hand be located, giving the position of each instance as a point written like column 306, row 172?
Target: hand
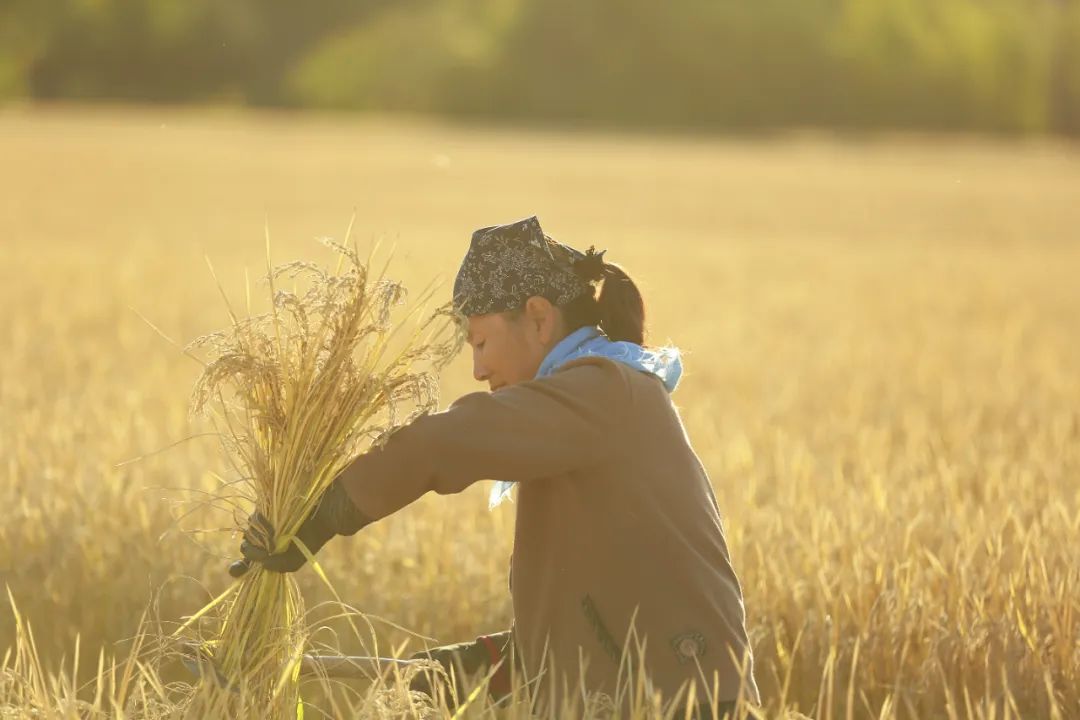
column 260, row 535
column 335, row 514
column 462, row 660
column 468, row 661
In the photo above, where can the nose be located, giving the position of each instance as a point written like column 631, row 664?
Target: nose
column 479, row 371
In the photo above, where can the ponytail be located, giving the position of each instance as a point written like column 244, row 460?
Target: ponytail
column 622, row 309
column 619, row 310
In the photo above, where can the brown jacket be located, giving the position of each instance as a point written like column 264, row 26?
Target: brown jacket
column 615, row 515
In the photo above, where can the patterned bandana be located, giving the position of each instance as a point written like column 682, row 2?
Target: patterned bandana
column 508, row 264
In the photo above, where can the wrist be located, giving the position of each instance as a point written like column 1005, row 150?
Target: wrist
column 315, row 533
column 338, row 512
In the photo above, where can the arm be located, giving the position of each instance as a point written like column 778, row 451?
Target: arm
column 536, row 429
column 533, row 430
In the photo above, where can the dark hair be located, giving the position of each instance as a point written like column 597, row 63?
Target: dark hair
column 619, row 309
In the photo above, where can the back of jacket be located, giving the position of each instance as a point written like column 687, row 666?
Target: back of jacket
column 628, row 550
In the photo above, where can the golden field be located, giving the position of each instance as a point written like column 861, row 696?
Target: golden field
column 881, row 337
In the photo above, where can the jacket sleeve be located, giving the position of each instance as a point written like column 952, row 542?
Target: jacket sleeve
column 536, row 429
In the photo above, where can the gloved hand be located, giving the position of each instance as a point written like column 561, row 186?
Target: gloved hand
column 468, row 661
column 461, row 659
column 335, row 514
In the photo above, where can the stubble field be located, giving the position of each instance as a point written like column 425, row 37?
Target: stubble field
column 882, row 346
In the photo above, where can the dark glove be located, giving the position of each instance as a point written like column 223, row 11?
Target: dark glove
column 463, row 660
column 335, row 514
column 466, row 660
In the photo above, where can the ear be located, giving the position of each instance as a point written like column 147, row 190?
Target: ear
column 542, row 317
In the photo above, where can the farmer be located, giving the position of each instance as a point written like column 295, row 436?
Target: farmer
column 618, row 534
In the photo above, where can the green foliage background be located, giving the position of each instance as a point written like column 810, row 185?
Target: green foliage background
column 1009, row 66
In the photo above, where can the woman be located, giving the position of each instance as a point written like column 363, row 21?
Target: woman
column 618, row 534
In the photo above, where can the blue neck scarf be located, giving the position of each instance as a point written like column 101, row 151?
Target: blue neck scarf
column 665, row 363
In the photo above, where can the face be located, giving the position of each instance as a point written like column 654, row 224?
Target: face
column 509, row 347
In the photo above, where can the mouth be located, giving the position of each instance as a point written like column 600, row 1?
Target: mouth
column 496, row 387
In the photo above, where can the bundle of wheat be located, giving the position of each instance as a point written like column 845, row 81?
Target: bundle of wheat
column 296, row 394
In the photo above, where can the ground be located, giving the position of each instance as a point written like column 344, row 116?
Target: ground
column 880, row 336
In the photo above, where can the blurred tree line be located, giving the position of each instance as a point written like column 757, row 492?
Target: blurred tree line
column 985, row 65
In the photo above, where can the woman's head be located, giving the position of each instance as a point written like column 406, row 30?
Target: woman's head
column 522, row 293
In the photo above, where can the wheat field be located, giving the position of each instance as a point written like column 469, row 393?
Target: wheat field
column 882, row 349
